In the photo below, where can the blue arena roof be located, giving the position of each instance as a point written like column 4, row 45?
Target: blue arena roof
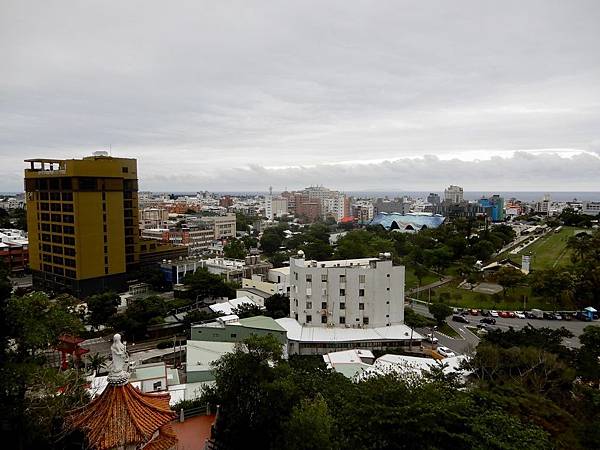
column 407, row 222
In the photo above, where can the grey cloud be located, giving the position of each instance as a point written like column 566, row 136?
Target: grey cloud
column 205, row 86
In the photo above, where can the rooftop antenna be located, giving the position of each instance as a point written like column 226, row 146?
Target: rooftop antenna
column 270, row 191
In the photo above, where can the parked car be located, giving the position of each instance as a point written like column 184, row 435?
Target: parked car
column 503, row 314
column 548, row 316
column 537, row 313
column 488, row 320
column 485, row 313
column 557, row 316
column 431, row 338
column 474, row 312
column 446, row 352
column 493, row 313
column 459, row 318
column 519, row 315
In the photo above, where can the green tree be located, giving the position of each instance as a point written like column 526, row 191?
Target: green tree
column 140, row 315
column 96, row 362
column 270, row 241
column 509, row 278
column 102, row 308
column 277, row 306
column 440, row 311
column 234, row 249
column 203, row 285
column 248, row 310
column 311, row 426
column 556, row 284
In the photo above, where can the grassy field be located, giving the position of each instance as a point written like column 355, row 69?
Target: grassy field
column 464, row 298
column 412, row 281
column 548, row 251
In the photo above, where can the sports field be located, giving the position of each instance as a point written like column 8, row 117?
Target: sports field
column 548, row 251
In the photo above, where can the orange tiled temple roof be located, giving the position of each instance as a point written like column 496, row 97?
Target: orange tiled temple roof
column 123, row 415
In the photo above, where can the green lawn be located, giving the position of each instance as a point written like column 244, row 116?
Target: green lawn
column 412, row 281
column 548, row 251
column 463, row 298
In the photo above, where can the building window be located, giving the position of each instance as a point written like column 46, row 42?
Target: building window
column 387, row 289
column 361, row 278
column 69, row 240
column 361, row 306
column 366, row 320
column 361, row 292
column 308, row 305
column 233, row 335
column 308, row 318
column 342, row 278
column 296, row 276
column 342, row 320
column 324, row 305
column 125, row 169
column 388, row 275
column 342, row 292
column 324, row 278
column 342, row 306
column 323, row 319
column 67, row 218
column 309, row 278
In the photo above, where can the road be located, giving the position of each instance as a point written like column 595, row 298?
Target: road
column 433, row 285
column 469, row 341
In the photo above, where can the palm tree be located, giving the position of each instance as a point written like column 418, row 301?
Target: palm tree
column 96, row 362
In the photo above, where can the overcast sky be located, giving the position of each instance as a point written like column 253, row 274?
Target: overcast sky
column 224, row 95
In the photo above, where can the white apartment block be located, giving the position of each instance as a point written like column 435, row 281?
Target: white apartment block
column 359, row 293
column 591, row 208
column 275, row 207
column 153, row 218
column 363, row 210
column 453, row 194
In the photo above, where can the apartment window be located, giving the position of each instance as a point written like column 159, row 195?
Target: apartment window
column 361, row 292
column 46, row 247
column 67, row 218
column 47, row 268
column 342, row 305
column 57, row 260
column 388, row 275
column 323, row 305
column 296, row 316
column 59, row 271
column 308, row 305
column 45, row 216
column 69, row 251
column 106, row 240
column 70, row 273
column 361, row 278
column 56, row 218
column 309, row 278
column 57, row 249
column 55, row 196
column 106, row 260
column 67, row 196
column 342, row 320
column 55, row 207
column 366, row 320
column 323, row 319
column 68, row 229
column 69, row 262
column 106, row 271
column 69, row 240
column 44, row 207
column 57, row 239
column 45, row 227
column 296, row 276
column 125, row 169
column 233, row 335
column 46, row 237
column 47, row 258
column 67, row 207
column 324, row 278
column 308, row 318
column 361, row 306
column 56, row 229
column 104, row 217
column 43, row 196
column 103, row 206
column 387, row 289
column 342, row 278
column 342, row 292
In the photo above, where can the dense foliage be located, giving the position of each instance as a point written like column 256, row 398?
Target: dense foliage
column 526, row 391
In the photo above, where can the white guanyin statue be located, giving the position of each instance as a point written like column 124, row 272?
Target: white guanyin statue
column 119, row 372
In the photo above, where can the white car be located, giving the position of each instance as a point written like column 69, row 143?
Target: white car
column 493, row 313
column 446, row 352
column 519, row 315
column 431, row 338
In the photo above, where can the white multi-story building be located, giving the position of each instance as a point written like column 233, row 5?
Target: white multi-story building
column 591, row 208
column 153, row 218
column 453, row 194
column 363, row 210
column 224, row 226
column 359, row 293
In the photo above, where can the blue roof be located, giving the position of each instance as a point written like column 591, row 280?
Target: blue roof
column 407, row 221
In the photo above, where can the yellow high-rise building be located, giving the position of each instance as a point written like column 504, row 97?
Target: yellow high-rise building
column 82, row 217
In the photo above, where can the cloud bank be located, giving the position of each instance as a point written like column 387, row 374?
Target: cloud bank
column 204, row 92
